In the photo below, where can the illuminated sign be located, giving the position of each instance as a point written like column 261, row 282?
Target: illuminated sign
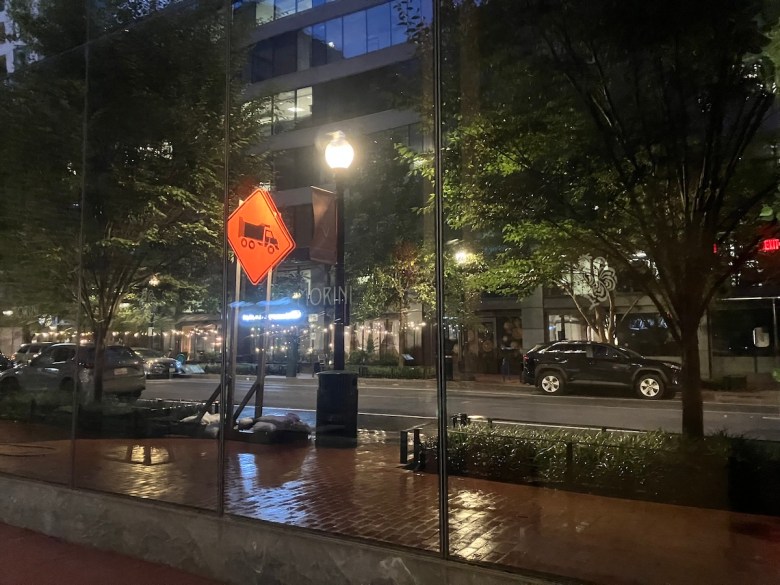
column 770, row 245
column 292, row 315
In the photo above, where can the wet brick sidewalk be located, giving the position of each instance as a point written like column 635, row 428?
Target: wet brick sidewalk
column 364, row 492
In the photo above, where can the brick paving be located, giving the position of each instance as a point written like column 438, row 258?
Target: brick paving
column 364, row 492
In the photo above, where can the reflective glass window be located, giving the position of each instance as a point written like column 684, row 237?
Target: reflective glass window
column 319, row 47
column 285, row 53
column 264, row 11
column 262, row 63
column 378, row 25
column 284, row 107
column 304, row 48
column 334, row 39
column 399, row 21
column 284, row 8
column 354, row 34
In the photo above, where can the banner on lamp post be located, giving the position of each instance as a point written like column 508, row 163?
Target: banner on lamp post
column 323, row 242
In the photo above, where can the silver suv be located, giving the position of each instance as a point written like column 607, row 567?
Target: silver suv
column 28, row 351
column 55, row 369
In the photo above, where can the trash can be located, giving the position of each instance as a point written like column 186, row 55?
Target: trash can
column 337, row 405
column 449, row 373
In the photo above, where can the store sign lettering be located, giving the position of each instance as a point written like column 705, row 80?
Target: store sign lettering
column 327, row 295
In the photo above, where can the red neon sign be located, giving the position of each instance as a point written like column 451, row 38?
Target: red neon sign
column 770, row 245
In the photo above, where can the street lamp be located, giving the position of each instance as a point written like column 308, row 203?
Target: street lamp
column 339, row 154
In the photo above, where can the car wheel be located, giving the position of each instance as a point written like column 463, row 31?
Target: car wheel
column 650, row 387
column 550, row 382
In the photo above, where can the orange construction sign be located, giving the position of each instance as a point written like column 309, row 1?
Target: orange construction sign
column 258, row 235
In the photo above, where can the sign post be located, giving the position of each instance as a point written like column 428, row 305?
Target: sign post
column 260, row 240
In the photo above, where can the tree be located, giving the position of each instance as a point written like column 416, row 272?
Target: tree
column 386, row 261
column 120, row 142
column 638, row 131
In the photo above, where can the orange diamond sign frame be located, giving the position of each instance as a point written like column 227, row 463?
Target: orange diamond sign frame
column 258, row 236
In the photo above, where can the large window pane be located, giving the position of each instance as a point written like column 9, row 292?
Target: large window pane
column 285, row 49
column 334, row 39
column 284, row 8
column 291, row 459
column 378, row 27
column 622, row 326
column 41, row 138
column 153, row 179
column 319, row 46
column 354, row 34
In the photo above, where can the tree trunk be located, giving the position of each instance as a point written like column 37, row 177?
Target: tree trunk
column 692, row 414
column 100, row 350
column 401, row 337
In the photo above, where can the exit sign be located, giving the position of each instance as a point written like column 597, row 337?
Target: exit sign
column 770, row 245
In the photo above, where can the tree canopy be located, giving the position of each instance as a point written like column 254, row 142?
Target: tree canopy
column 114, row 153
column 640, row 132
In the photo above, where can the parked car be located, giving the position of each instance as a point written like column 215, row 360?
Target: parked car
column 5, row 362
column 55, row 369
column 27, row 351
column 558, row 366
column 157, row 364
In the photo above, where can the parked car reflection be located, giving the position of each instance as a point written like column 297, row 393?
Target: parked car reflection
column 28, row 351
column 55, row 370
column 157, row 364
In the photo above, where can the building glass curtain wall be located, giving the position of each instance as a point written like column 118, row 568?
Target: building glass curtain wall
column 561, row 305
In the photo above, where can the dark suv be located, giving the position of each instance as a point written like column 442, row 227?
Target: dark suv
column 555, row 367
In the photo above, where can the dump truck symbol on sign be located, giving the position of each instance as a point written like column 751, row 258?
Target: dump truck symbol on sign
column 258, row 235
column 251, row 234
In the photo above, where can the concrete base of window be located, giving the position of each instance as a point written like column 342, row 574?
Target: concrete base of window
column 229, row 549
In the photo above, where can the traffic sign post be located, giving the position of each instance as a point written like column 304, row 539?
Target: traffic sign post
column 260, row 240
column 258, row 236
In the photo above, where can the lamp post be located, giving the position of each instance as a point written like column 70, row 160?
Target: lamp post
column 152, row 301
column 339, row 154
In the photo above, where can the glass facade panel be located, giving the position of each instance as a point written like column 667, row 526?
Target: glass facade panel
column 284, row 111
column 334, row 39
column 304, row 49
column 41, row 140
column 628, row 394
column 399, row 20
column 354, row 34
column 351, row 35
column 284, row 8
column 285, row 53
column 264, row 11
column 575, row 337
column 378, row 27
column 319, row 46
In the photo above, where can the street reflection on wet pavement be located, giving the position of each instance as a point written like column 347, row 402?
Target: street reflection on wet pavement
column 364, row 492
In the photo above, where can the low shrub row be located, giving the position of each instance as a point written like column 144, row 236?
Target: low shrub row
column 715, row 472
column 398, row 372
